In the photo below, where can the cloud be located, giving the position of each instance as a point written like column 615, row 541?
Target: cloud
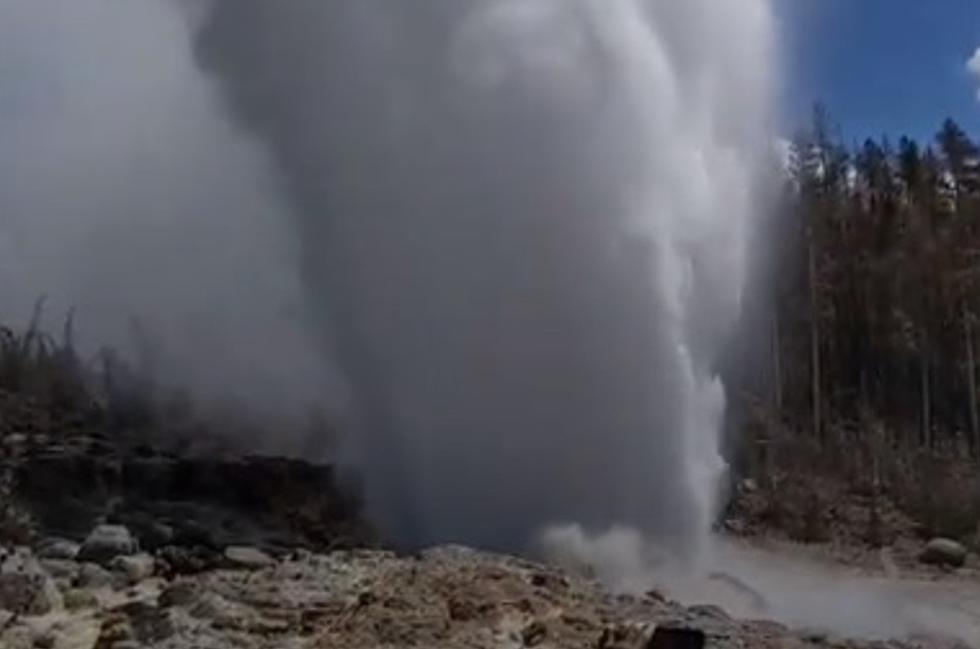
column 973, row 67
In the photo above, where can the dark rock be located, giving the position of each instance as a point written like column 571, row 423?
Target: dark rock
column 149, row 624
column 180, row 593
column 105, row 543
column 156, row 535
column 92, row 575
column 25, row 587
column 76, row 599
column 59, row 549
column 534, row 634
column 708, row 611
column 677, row 638
column 60, row 568
column 623, row 636
column 28, row 594
column 943, row 552
column 192, row 533
column 177, row 560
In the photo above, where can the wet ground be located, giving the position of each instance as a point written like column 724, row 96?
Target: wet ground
column 798, row 587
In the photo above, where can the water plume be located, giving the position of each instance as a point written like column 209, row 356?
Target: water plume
column 506, row 237
column 524, row 227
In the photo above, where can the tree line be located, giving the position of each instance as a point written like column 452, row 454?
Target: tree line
column 874, row 280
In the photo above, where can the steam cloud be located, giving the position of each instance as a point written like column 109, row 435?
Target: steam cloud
column 516, row 229
column 124, row 192
column 973, row 68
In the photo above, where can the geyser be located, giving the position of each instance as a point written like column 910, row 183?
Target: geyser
column 525, row 225
column 514, row 229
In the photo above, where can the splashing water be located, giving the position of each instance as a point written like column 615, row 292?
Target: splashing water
column 527, row 224
column 516, row 227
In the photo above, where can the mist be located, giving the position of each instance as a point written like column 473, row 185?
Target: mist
column 525, row 228
column 506, row 238
column 124, row 193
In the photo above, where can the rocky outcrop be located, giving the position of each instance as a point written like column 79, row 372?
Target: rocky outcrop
column 69, row 476
column 25, row 587
column 445, row 597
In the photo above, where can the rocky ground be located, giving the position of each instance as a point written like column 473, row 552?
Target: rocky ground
column 846, row 529
column 119, row 545
column 446, row 597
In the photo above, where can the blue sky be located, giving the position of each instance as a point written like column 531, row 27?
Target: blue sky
column 882, row 66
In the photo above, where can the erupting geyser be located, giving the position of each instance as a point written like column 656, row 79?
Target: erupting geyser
column 522, row 228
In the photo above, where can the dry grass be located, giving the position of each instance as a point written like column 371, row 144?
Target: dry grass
column 854, row 486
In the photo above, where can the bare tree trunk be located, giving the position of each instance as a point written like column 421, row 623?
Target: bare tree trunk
column 777, row 364
column 971, row 381
column 874, row 515
column 926, row 435
column 814, row 341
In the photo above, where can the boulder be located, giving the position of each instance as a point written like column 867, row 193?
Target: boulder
column 105, row 543
column 76, row 599
column 25, row 588
column 179, row 593
column 178, row 560
column 943, row 552
column 92, row 575
column 28, row 594
column 133, row 569
column 247, row 558
column 60, row 569
column 57, row 549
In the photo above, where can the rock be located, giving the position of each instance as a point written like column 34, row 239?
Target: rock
column 45, row 640
column 105, row 543
column 748, row 485
column 91, row 575
column 943, row 552
column 677, row 638
column 622, row 636
column 58, row 549
column 60, row 569
column 25, row 588
column 15, row 441
column 708, row 611
column 180, row 593
column 148, row 624
column 222, row 613
column 534, row 634
column 76, row 599
column 814, row 636
column 247, row 558
column 178, row 560
column 28, row 594
column 135, row 568
column 157, row 535
column 193, row 534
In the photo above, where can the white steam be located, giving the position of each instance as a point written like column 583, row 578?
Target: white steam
column 526, row 224
column 516, row 229
column 973, row 68
column 124, row 192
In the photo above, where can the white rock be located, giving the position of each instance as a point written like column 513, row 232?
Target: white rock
column 135, row 568
column 58, row 549
column 247, row 557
